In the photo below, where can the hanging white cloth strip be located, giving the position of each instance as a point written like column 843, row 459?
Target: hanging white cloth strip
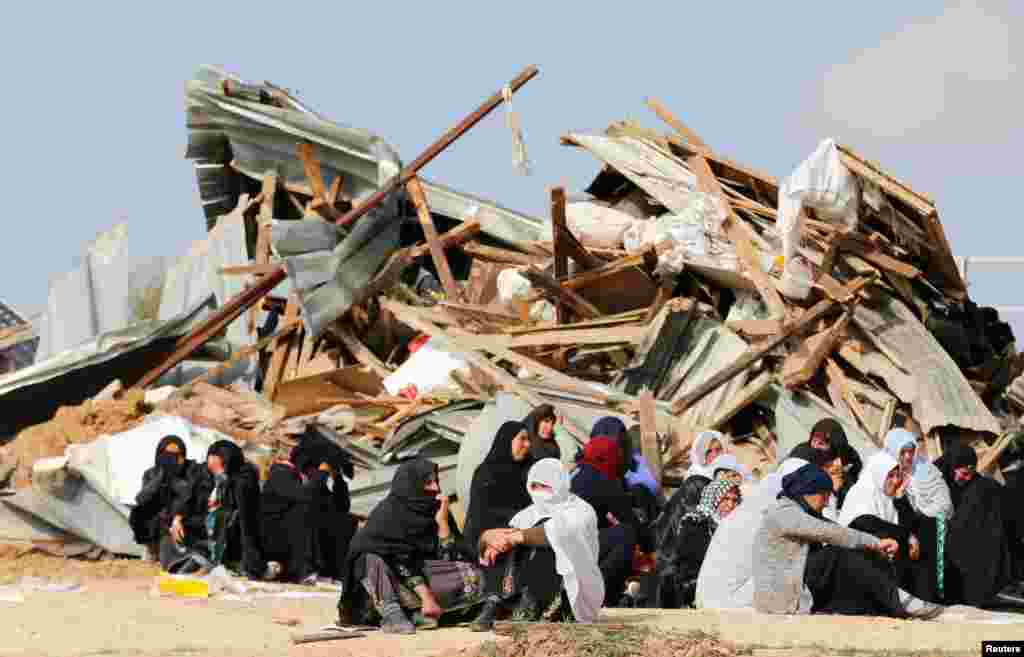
column 520, row 159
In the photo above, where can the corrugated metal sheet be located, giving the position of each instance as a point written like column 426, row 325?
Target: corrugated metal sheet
column 941, row 395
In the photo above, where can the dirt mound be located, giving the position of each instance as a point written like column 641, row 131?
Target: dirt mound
column 71, row 425
column 562, row 640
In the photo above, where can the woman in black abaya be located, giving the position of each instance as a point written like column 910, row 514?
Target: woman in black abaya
column 407, row 558
column 978, row 562
column 150, row 516
column 498, row 493
column 290, row 499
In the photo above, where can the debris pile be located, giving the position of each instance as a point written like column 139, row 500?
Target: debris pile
column 346, row 295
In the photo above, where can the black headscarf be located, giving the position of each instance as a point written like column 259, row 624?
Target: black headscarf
column 498, row 490
column 167, row 462
column 956, row 456
column 230, row 454
column 539, row 447
column 404, row 522
column 314, row 449
column 807, row 480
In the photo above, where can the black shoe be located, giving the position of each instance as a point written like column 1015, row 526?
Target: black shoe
column 485, row 621
column 528, row 610
column 1011, row 596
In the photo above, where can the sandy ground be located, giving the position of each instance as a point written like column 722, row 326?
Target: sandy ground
column 117, row 614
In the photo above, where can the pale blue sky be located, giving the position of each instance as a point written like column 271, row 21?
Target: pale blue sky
column 95, row 124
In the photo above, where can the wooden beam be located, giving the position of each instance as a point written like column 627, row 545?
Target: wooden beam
column 501, row 256
column 806, row 319
column 311, row 167
column 438, row 146
column 801, row 366
column 263, row 240
column 419, row 201
column 758, row 328
column 668, row 117
column 282, row 350
column 559, row 242
column 457, row 236
column 214, row 325
column 244, row 270
column 550, row 287
column 629, row 334
column 649, row 447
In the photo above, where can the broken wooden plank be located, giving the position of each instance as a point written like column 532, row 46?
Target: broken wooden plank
column 438, row 146
column 556, row 292
column 802, row 365
column 757, row 328
column 244, row 270
column 561, row 337
column 419, row 201
column 561, row 249
column 649, row 447
column 754, row 355
column 501, row 256
column 282, row 350
column 457, row 236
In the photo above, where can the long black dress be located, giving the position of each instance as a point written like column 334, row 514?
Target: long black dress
column 979, row 562
column 241, row 532
column 289, row 507
column 150, row 515
column 498, row 492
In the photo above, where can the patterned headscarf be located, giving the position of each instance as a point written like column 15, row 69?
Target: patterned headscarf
column 710, row 498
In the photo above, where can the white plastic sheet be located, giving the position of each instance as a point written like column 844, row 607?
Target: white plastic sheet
column 598, row 225
column 427, row 369
column 821, row 182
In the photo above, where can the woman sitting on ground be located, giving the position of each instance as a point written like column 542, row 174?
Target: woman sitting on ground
column 150, row 517
column 540, row 427
column 408, row 558
column 828, row 433
column 499, row 492
column 923, row 511
column 233, row 519
column 554, row 545
column 291, row 497
column 679, row 558
column 707, row 447
column 598, row 481
column 637, row 477
column 804, row 563
column 979, row 563
column 871, row 506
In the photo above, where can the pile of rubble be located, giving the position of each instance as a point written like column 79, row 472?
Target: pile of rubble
column 344, row 294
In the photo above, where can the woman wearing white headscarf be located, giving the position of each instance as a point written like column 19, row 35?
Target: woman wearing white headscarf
column 927, row 507
column 562, row 525
column 707, row 447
